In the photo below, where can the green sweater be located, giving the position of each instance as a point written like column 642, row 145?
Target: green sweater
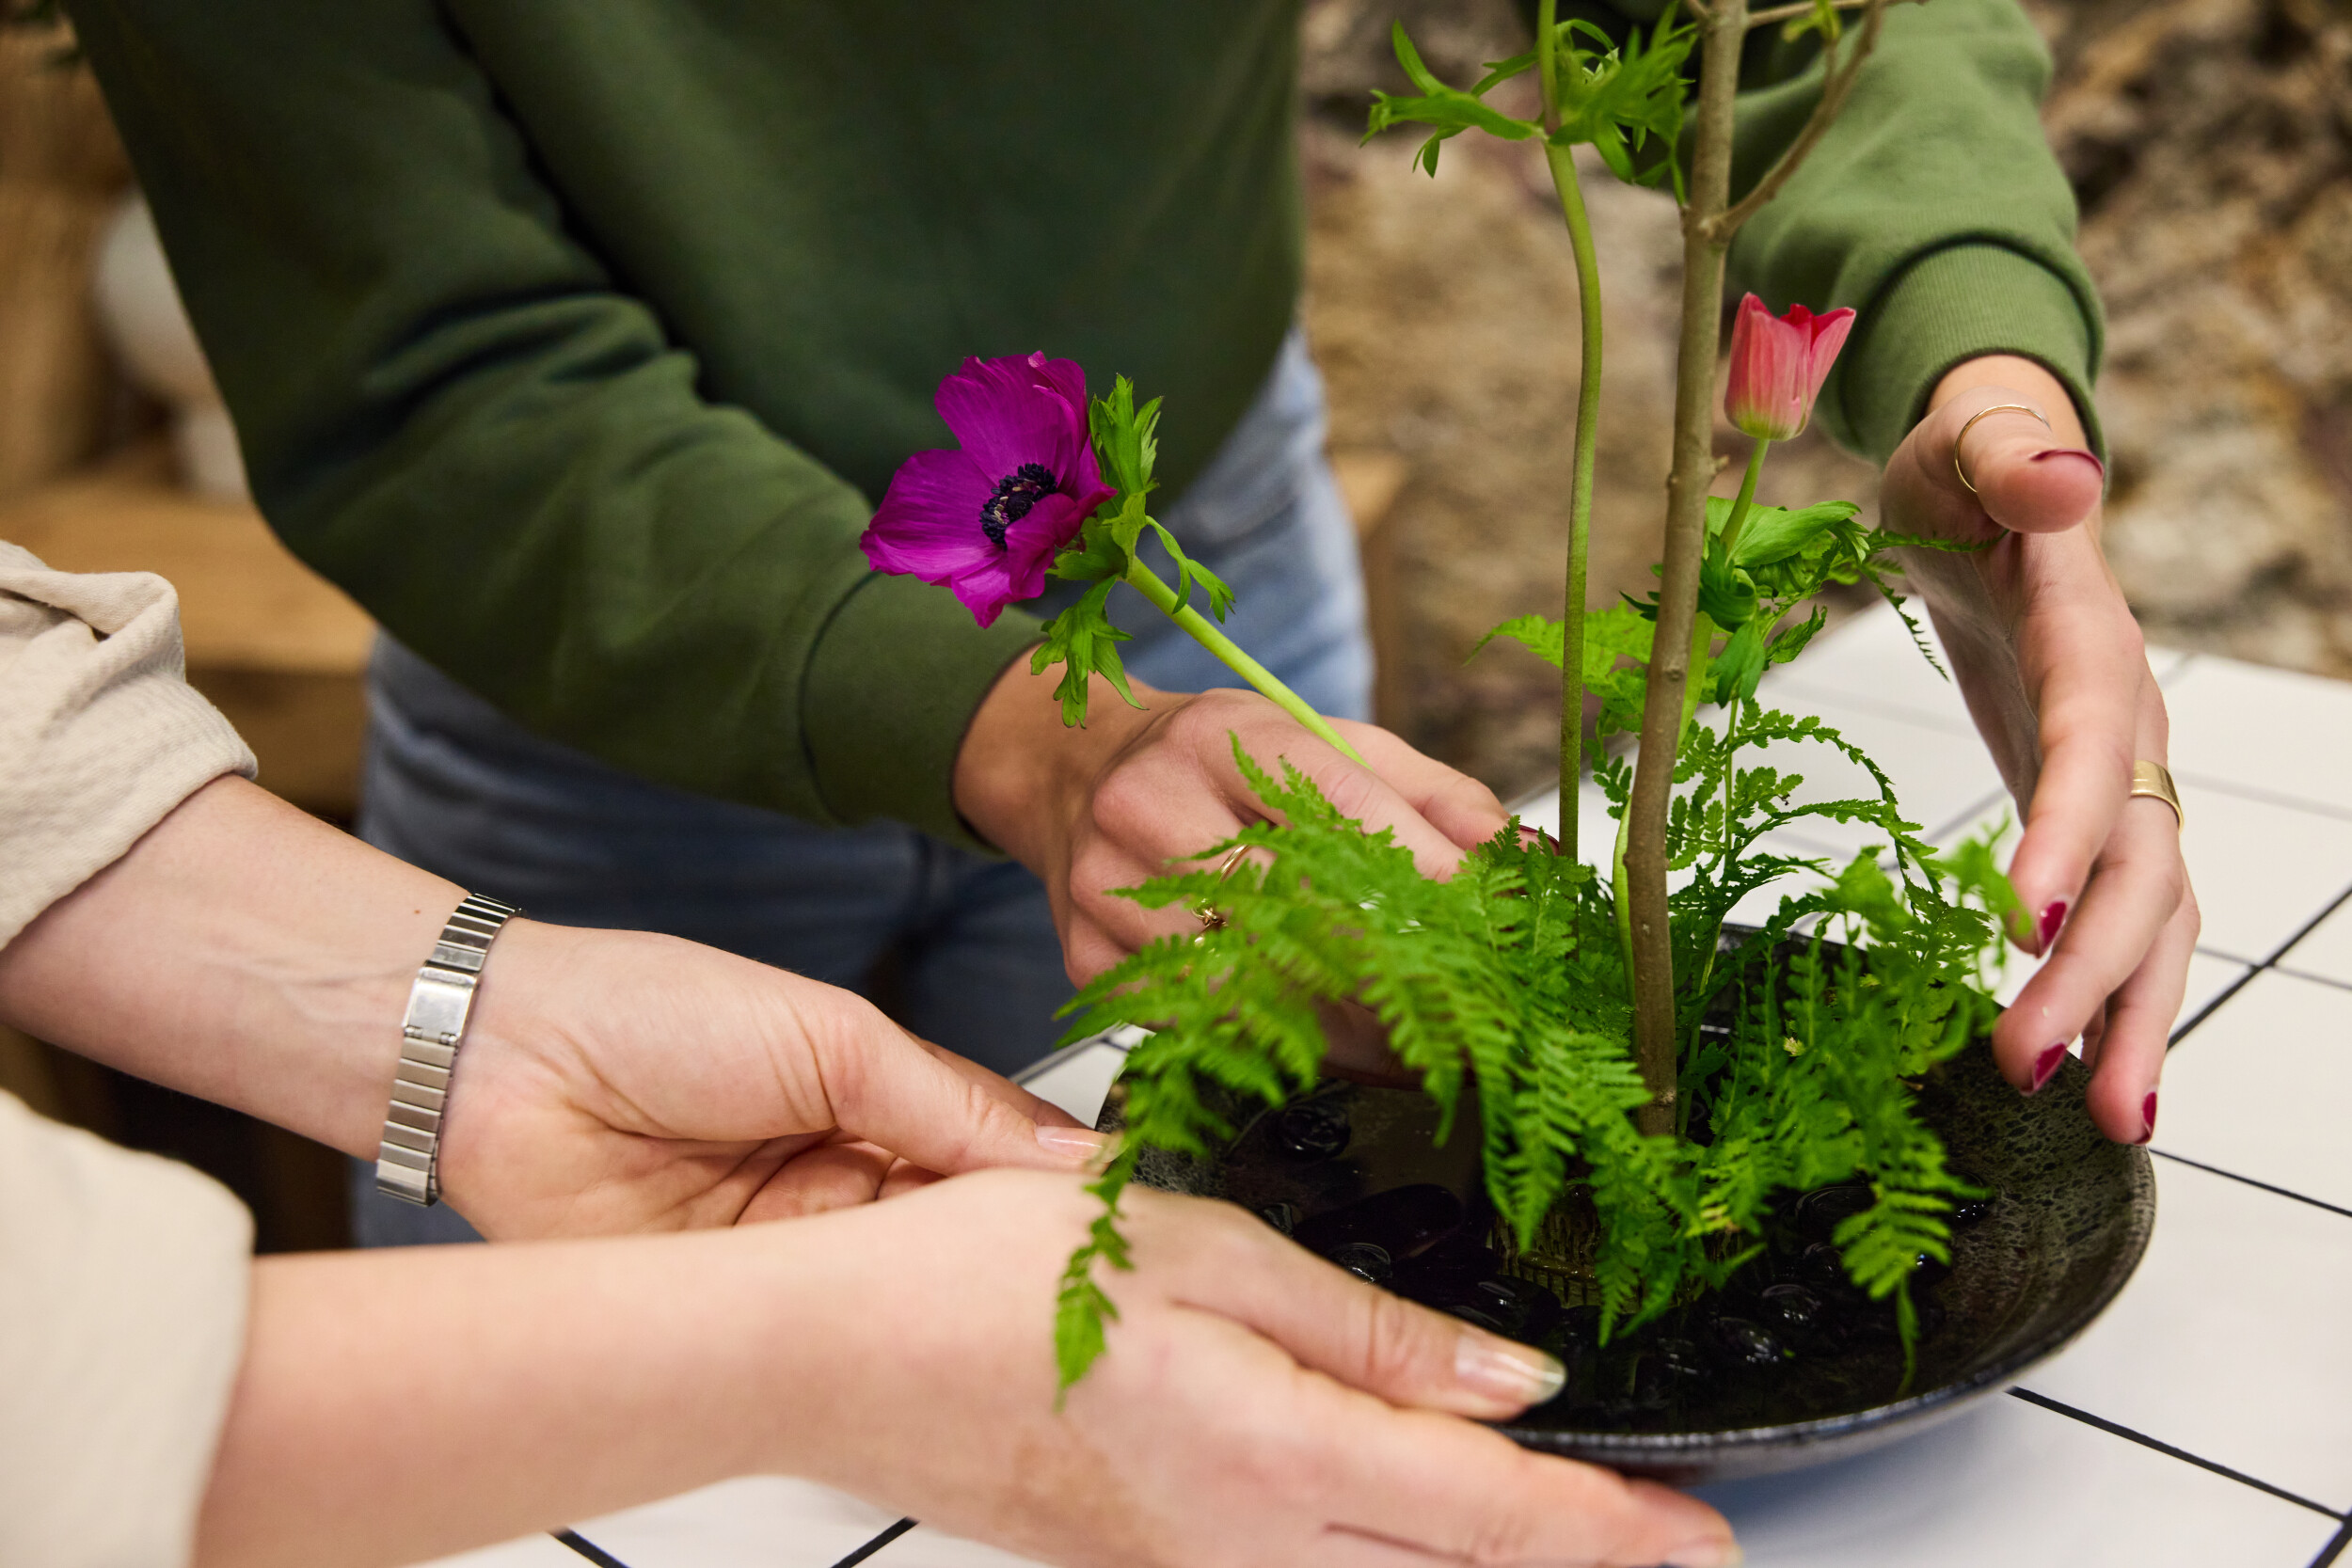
column 574, row 338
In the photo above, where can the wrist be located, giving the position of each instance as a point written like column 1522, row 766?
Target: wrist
column 1021, row 775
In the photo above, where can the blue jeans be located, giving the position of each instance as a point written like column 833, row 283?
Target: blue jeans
column 968, row 942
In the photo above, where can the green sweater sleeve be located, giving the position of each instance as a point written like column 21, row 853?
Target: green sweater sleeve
column 1934, row 206
column 456, row 411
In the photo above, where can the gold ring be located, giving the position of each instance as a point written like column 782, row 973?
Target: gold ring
column 1210, row 916
column 1996, row 408
column 2154, row 780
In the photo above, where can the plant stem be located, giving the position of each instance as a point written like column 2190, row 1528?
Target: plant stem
column 1563, row 177
column 1207, row 633
column 1722, row 33
column 1739, row 518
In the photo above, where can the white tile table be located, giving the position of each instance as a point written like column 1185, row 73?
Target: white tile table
column 2205, row 1420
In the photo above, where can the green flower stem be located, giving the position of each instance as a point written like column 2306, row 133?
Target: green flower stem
column 1739, row 518
column 1563, row 163
column 1206, row 632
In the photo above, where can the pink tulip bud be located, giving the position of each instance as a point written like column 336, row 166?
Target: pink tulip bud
column 1778, row 364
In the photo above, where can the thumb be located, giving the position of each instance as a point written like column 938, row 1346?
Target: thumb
column 2024, row 477
column 887, row 1088
column 1336, row 1324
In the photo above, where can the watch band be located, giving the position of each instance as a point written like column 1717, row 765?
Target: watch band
column 408, row 1162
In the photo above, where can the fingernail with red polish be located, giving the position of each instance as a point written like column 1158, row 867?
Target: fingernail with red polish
column 2046, row 1064
column 2090, row 457
column 2053, row 916
column 2148, row 1117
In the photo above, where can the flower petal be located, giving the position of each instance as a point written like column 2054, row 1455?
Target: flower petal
column 1031, row 544
column 987, row 588
column 928, row 523
column 1005, row 412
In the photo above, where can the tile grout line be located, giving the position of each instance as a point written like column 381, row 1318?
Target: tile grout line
column 884, row 1539
column 2265, row 797
column 2116, row 1429
column 587, row 1548
column 2232, row 1176
column 2268, row 963
column 2334, row 1548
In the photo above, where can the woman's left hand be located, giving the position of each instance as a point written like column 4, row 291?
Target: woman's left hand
column 617, row 1081
column 2050, row 660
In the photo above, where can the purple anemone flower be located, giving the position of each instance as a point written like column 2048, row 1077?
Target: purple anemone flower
column 988, row 520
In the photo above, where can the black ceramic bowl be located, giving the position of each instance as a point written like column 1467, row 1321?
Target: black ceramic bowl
column 1348, row 1166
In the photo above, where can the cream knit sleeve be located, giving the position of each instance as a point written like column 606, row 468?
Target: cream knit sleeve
column 123, row 1276
column 100, row 735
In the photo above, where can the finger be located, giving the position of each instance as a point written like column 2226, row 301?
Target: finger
column 2086, row 672
column 1105, row 923
column 1043, row 1112
column 839, row 1175
column 2138, row 1027
column 2026, row 479
column 1328, row 1318
column 2140, row 885
column 1457, row 805
column 1417, row 1483
column 883, row 1085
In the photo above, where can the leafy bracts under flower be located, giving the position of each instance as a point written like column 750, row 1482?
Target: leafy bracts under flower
column 1626, row 101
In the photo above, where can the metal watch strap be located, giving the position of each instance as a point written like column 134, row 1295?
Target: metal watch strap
column 407, row 1163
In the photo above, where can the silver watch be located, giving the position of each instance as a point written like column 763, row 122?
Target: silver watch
column 407, row 1163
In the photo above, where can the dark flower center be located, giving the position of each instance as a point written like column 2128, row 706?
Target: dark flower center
column 1016, row 493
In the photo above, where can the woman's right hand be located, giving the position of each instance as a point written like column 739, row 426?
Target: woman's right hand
column 1256, row 1408
column 1256, row 1405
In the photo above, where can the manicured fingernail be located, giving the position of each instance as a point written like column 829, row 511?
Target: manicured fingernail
column 1074, row 1143
column 2046, row 1064
column 2090, row 457
column 1502, row 1369
column 2148, row 1117
column 2053, row 916
column 1707, row 1554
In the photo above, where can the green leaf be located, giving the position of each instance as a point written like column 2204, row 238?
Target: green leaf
column 1450, row 110
column 1126, row 440
column 1547, row 638
column 1189, row 571
column 1082, row 640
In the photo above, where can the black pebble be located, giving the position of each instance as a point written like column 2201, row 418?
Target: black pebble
column 1282, row 1216
column 1479, row 1316
column 1974, row 1210
column 1741, row 1343
column 1312, row 1128
column 1364, row 1259
column 1819, row 1212
column 1791, row 1306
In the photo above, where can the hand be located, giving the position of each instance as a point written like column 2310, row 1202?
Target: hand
column 1139, row 793
column 616, row 1081
column 1255, row 1406
column 2050, row 660
column 610, row 1081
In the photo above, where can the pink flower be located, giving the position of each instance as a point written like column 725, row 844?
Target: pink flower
column 1778, row 364
column 988, row 520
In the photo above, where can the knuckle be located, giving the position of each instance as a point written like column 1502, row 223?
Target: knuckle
column 1394, row 1341
column 1121, row 806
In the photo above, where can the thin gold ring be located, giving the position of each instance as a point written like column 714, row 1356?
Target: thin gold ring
column 2154, row 780
column 1211, row 917
column 1996, row 408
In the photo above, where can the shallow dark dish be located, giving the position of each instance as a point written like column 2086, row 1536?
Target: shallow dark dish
column 1351, row 1172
